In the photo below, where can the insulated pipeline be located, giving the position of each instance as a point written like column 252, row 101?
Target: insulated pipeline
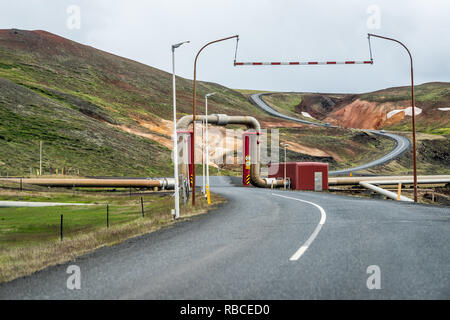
column 252, row 124
column 165, row 183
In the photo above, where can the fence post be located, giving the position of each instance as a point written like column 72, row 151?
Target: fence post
column 142, row 206
column 62, row 227
column 107, row 215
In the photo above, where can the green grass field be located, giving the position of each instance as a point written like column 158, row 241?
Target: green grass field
column 30, row 226
column 30, row 236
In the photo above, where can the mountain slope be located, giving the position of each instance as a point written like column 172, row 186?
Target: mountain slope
column 381, row 109
column 112, row 114
column 71, row 139
column 384, row 108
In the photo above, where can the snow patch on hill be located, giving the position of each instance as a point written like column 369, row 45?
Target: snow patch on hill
column 306, row 114
column 407, row 111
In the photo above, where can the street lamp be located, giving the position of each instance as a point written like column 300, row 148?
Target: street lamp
column 175, row 136
column 413, row 110
column 206, row 138
column 203, row 159
column 194, row 105
column 285, row 161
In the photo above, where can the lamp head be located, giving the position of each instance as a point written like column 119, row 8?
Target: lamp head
column 174, row 46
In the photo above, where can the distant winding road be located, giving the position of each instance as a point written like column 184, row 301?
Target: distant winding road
column 402, row 143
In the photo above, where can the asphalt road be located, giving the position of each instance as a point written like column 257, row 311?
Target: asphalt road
column 402, row 144
column 244, row 249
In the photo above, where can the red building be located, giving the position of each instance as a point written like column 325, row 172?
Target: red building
column 303, row 175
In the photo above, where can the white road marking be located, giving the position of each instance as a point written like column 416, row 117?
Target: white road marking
column 313, row 236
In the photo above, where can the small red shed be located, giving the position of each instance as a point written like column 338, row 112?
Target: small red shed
column 303, row 175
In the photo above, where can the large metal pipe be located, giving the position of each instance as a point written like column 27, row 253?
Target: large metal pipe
column 164, row 183
column 386, row 193
column 389, row 180
column 252, row 124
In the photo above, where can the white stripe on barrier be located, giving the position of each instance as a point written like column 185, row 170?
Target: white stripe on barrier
column 309, row 63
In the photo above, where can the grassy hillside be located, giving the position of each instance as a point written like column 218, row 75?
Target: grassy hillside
column 124, row 88
column 429, row 97
column 369, row 110
column 433, row 157
column 70, row 138
column 77, row 99
column 100, row 114
column 347, row 149
column 284, row 102
column 343, row 148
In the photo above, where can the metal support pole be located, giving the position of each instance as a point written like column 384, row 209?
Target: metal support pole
column 206, row 139
column 413, row 110
column 175, row 135
column 284, row 168
column 61, row 228
column 203, row 160
column 195, row 102
column 285, row 145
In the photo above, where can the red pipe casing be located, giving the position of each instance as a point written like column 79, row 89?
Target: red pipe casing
column 246, row 165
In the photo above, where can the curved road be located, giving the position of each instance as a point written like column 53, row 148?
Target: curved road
column 402, row 143
column 266, row 244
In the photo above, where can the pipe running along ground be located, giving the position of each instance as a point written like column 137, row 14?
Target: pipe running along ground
column 253, row 125
column 164, row 183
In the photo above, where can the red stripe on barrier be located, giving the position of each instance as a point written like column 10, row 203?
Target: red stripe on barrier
column 298, row 63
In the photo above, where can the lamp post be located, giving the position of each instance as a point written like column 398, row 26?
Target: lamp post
column 175, row 136
column 194, row 105
column 285, row 161
column 413, row 110
column 285, row 145
column 203, row 160
column 206, row 138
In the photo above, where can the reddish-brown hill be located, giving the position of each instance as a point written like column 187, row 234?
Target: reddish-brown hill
column 383, row 108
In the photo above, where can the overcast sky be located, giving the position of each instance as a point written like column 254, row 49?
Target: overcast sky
column 269, row 30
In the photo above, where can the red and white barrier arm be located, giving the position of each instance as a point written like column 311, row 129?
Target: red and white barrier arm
column 309, row 63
